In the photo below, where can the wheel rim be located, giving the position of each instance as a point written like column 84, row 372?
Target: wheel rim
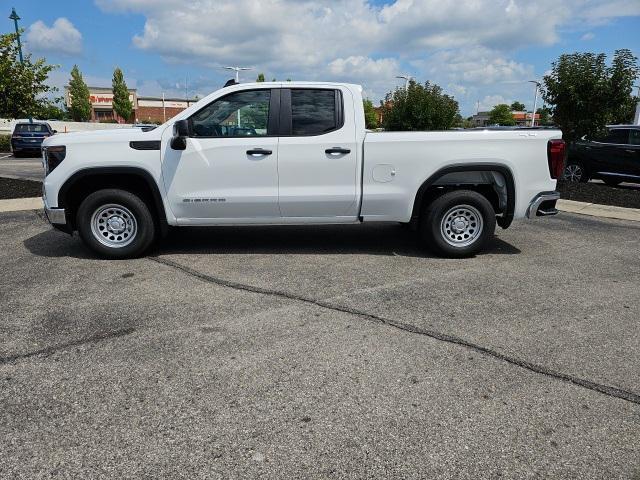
column 461, row 225
column 114, row 225
column 573, row 173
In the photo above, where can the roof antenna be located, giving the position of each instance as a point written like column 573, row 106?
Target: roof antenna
column 230, row 82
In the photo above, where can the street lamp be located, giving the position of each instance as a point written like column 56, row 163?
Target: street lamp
column 636, row 117
column 14, row 16
column 407, row 79
column 237, row 70
column 535, row 102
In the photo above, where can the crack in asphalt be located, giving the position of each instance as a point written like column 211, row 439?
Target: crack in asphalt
column 76, row 343
column 443, row 337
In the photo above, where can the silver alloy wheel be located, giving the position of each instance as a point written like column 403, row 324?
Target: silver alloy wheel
column 461, row 225
column 573, row 173
column 113, row 225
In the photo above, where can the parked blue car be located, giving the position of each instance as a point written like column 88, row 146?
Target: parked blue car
column 27, row 138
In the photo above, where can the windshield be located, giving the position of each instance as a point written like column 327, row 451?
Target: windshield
column 31, row 128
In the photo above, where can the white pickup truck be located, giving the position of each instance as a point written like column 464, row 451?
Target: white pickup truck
column 295, row 153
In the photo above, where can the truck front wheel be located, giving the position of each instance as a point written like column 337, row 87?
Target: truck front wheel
column 115, row 224
column 458, row 224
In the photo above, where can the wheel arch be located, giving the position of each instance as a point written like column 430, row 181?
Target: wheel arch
column 459, row 176
column 134, row 179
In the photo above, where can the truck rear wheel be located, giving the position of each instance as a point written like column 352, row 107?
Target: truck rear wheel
column 115, row 224
column 458, row 224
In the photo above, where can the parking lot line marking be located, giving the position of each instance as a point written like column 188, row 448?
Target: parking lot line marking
column 2, row 157
column 443, row 337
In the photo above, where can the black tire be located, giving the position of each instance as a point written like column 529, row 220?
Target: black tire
column 115, row 224
column 575, row 172
column 612, row 182
column 473, row 217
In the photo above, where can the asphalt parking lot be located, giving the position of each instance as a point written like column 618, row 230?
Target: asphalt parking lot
column 331, row 352
column 25, row 168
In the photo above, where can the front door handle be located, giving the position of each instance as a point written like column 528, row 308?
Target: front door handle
column 337, row 150
column 256, row 152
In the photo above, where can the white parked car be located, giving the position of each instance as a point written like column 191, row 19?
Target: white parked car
column 295, row 153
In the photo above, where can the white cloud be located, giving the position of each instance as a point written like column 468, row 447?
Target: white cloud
column 62, row 37
column 466, row 45
column 490, row 101
column 588, row 36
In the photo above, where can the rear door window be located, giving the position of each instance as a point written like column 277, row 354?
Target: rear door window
column 618, row 136
column 313, row 111
column 634, row 137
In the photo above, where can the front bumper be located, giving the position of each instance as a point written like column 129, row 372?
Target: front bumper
column 543, row 204
column 56, row 216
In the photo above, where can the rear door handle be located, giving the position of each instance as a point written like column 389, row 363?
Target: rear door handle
column 337, row 150
column 255, row 152
column 629, row 151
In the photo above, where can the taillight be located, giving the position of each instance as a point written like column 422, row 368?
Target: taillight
column 555, row 157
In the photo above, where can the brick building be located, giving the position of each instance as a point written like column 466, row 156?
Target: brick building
column 145, row 109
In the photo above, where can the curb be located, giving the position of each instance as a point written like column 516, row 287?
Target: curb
column 20, row 204
column 596, row 210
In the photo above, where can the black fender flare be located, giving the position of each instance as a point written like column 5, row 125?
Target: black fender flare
column 505, row 220
column 139, row 172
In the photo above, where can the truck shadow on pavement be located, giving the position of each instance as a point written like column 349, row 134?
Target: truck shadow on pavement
column 382, row 239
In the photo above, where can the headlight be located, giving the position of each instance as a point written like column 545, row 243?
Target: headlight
column 53, row 156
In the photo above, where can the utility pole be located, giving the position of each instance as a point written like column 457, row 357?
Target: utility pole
column 237, row 70
column 636, row 118
column 535, row 102
column 407, row 79
column 14, row 16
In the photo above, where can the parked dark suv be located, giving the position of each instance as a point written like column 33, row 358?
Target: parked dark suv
column 613, row 157
column 27, row 137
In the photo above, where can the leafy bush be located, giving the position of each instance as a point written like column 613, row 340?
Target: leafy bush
column 5, row 143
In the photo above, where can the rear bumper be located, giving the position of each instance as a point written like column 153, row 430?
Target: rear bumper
column 543, row 204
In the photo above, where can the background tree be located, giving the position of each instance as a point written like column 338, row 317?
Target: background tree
column 260, row 77
column 121, row 103
column 370, row 115
column 80, row 108
column 586, row 95
column 517, row 107
column 419, row 107
column 501, row 115
column 545, row 116
column 53, row 111
column 22, row 86
column 622, row 74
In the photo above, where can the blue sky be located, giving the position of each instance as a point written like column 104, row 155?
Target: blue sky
column 477, row 50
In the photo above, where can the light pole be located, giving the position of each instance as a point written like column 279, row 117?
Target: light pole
column 535, row 102
column 407, row 79
column 14, row 16
column 237, row 70
column 636, row 118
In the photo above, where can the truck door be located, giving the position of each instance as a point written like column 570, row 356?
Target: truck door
column 229, row 169
column 317, row 157
column 611, row 155
column 633, row 150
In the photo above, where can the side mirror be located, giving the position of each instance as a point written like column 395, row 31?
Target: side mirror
column 55, row 131
column 180, row 134
column 583, row 138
